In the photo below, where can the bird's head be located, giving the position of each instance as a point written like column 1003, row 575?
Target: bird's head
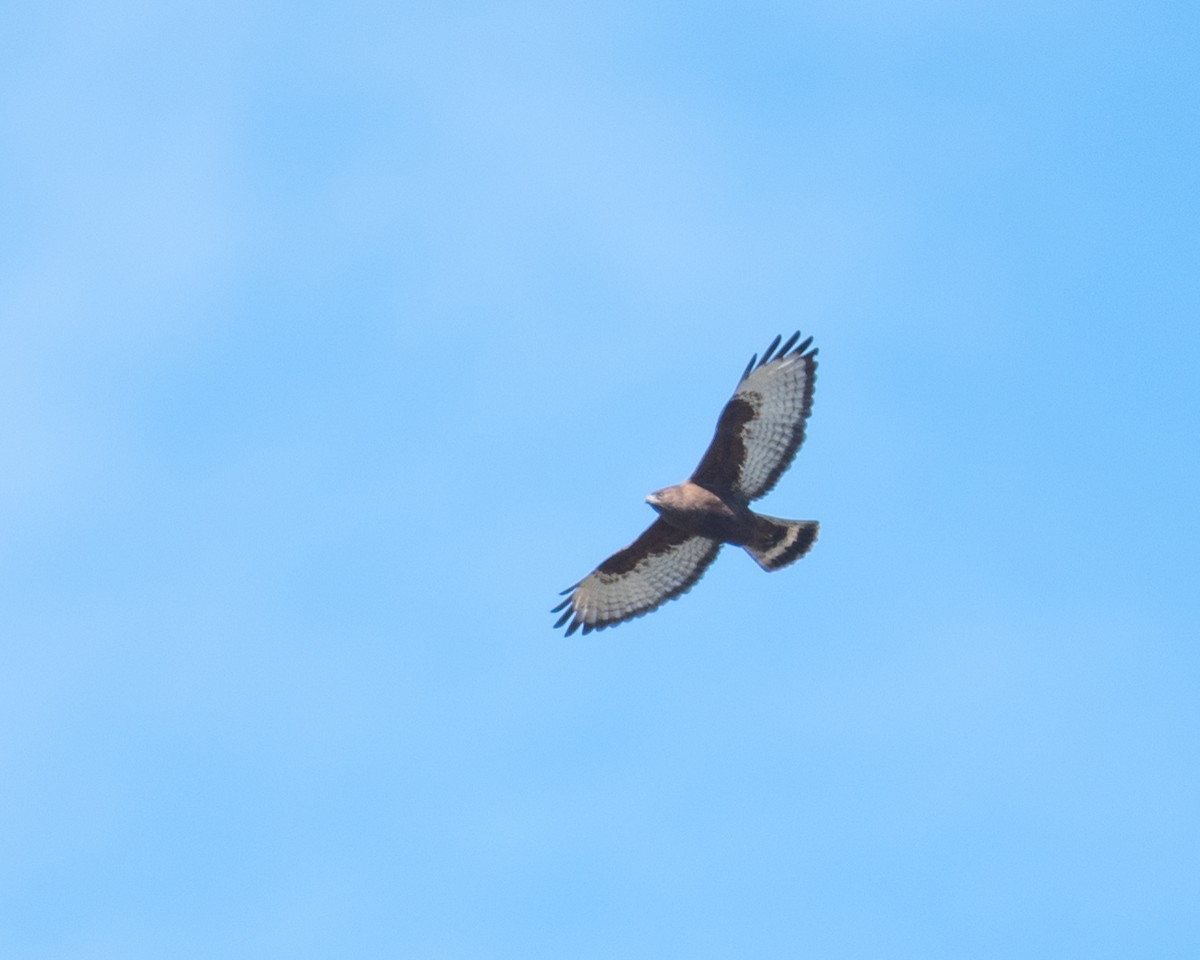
column 663, row 499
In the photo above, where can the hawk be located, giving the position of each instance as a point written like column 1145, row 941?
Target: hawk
column 758, row 434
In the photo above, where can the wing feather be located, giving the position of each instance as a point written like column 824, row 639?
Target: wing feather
column 660, row 565
column 762, row 425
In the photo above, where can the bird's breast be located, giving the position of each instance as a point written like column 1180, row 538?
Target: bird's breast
column 704, row 514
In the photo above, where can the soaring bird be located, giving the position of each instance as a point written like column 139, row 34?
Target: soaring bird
column 758, row 434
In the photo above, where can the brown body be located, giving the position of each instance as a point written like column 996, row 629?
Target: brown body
column 699, row 512
column 691, row 508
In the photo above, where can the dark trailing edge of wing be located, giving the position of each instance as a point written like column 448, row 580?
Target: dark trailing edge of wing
column 789, row 347
column 589, row 627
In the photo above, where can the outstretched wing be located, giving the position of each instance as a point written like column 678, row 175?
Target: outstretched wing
column 762, row 426
column 658, row 566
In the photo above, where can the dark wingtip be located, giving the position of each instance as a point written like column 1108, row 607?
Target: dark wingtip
column 563, row 619
column 777, row 352
column 561, row 605
column 573, row 627
column 588, row 628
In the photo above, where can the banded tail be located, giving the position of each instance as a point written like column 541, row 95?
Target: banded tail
column 780, row 542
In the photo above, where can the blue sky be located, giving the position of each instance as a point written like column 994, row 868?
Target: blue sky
column 339, row 338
